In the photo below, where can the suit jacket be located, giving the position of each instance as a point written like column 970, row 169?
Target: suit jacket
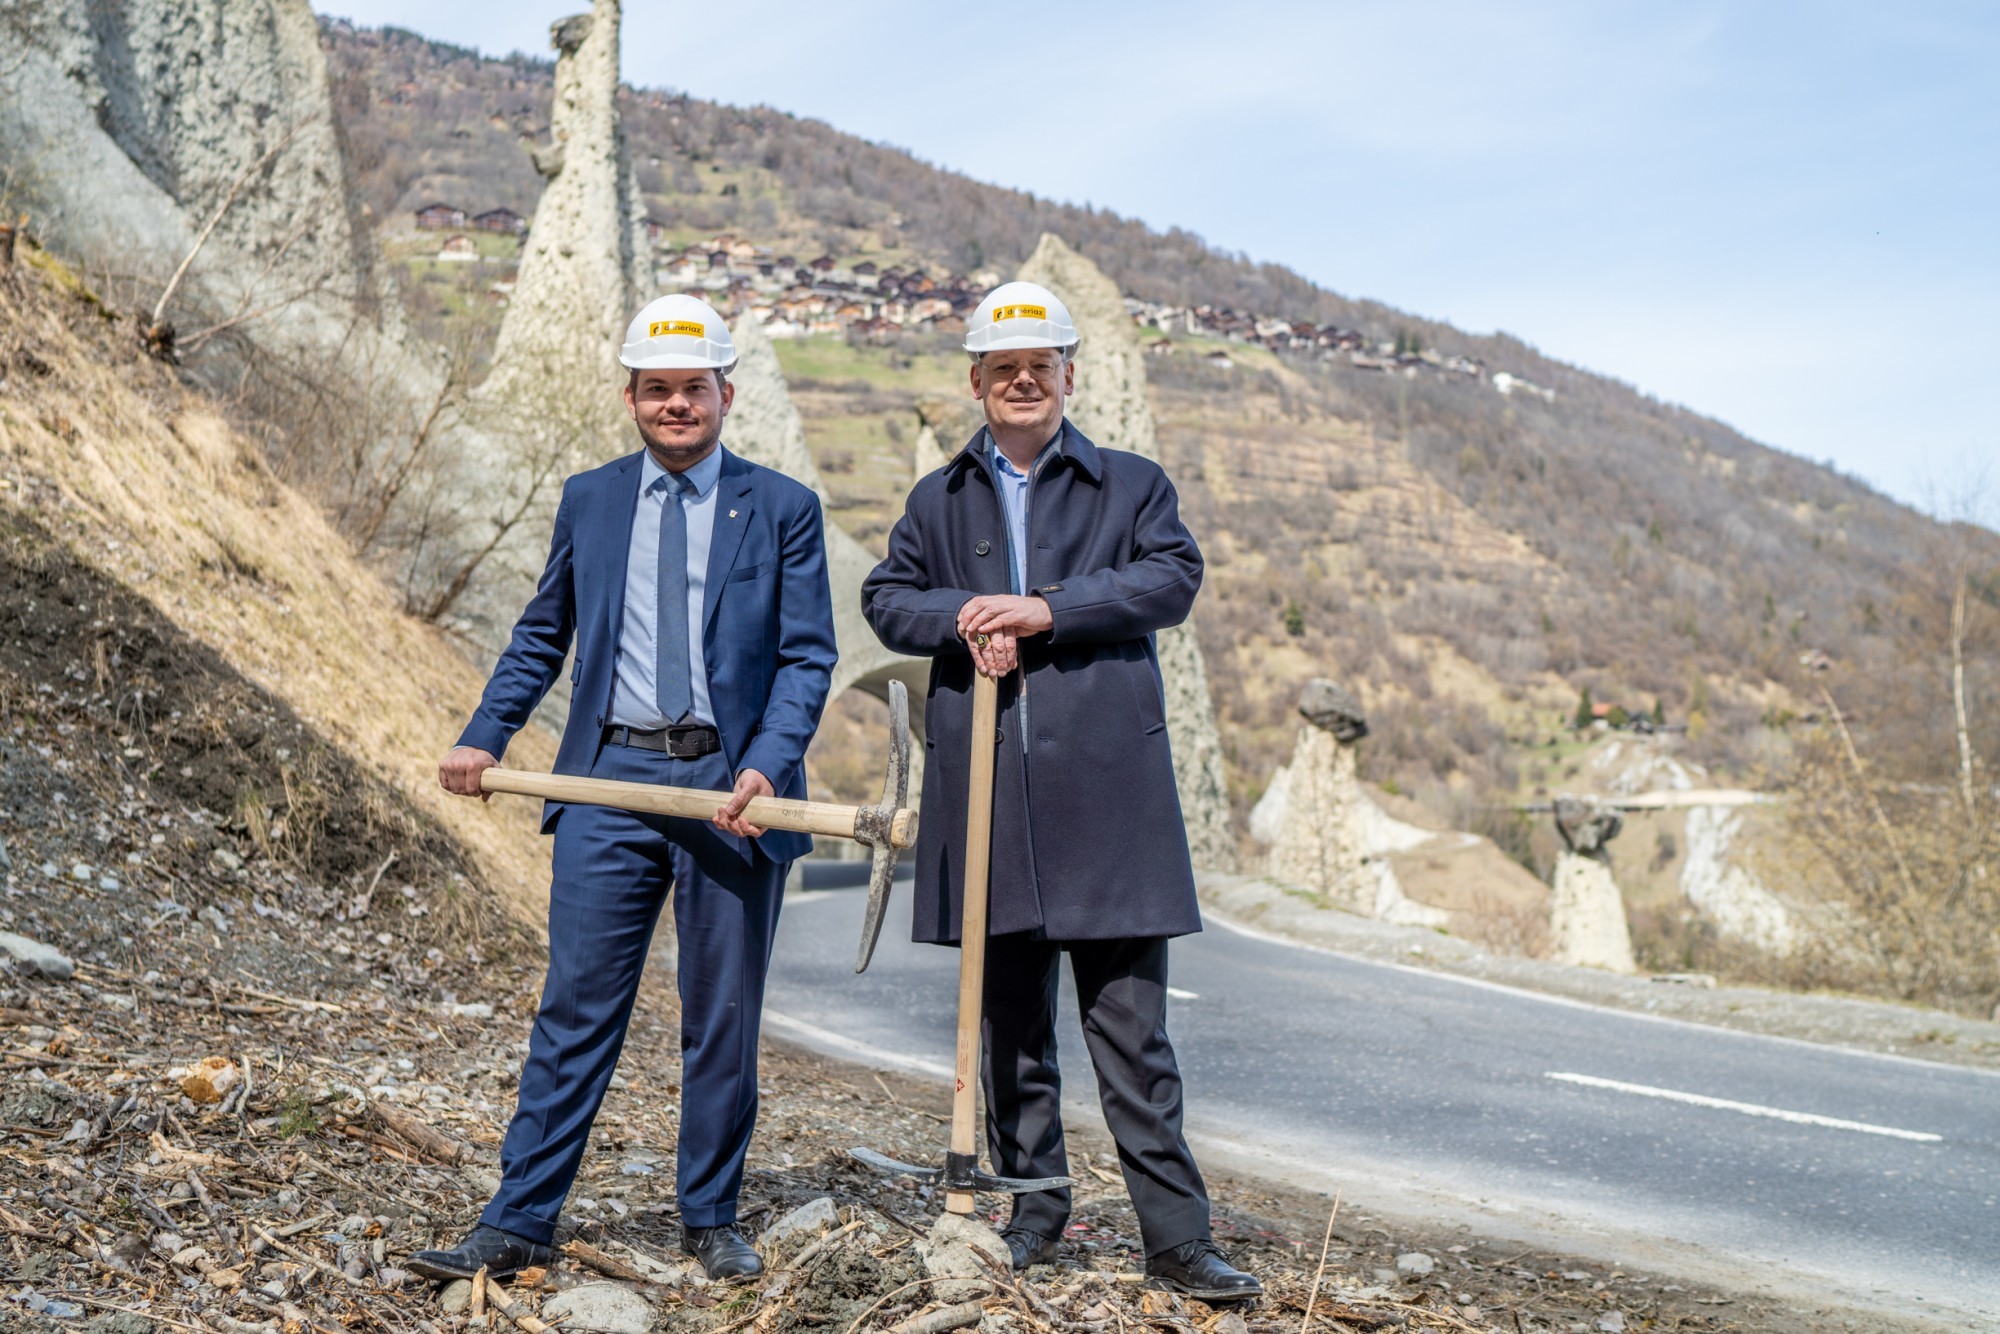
column 767, row 636
column 1088, row 842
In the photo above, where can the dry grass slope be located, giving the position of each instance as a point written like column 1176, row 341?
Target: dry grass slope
column 147, row 484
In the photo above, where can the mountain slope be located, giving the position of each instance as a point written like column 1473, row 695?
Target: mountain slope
column 1467, row 559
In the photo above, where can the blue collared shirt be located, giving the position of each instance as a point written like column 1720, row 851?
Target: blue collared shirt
column 1012, row 485
column 635, row 694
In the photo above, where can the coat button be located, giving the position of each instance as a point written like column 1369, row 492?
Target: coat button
column 982, row 548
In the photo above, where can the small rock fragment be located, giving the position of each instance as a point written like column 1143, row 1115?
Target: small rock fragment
column 1414, row 1264
column 797, row 1230
column 952, row 1251
column 606, row 1308
column 36, row 957
column 456, row 1297
column 211, row 1079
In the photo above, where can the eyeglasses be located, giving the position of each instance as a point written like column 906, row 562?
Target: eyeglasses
column 1043, row 370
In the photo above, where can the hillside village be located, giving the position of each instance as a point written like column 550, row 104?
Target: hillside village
column 855, row 297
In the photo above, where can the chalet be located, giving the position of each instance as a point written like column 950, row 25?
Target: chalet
column 1507, row 385
column 459, row 250
column 718, row 260
column 824, row 264
column 656, row 231
column 1160, row 347
column 1218, row 357
column 866, row 269
column 681, row 270
column 440, row 217
column 504, row 220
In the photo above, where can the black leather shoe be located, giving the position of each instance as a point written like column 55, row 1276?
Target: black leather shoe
column 1198, row 1269
column 1027, row 1247
column 722, row 1251
column 500, row 1254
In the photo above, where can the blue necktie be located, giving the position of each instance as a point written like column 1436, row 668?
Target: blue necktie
column 676, row 693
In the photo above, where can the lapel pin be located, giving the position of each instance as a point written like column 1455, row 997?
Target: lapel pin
column 732, row 514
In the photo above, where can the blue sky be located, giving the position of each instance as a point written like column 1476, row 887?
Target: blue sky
column 1780, row 214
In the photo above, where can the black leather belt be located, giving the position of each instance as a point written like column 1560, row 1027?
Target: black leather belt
column 688, row 742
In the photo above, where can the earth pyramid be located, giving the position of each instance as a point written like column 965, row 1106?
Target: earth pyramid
column 1111, row 408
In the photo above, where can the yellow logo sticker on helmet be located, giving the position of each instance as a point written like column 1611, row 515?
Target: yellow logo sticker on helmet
column 1020, row 313
column 692, row 328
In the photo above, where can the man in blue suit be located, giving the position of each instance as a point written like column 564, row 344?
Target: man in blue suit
column 694, row 586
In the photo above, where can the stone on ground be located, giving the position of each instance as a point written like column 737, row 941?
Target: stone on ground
column 603, row 1308
column 797, row 1230
column 965, row 1253
column 34, row 956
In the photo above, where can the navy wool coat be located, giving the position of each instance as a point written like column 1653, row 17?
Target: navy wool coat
column 1088, row 842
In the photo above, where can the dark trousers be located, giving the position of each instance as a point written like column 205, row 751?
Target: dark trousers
column 612, row 873
column 1121, row 989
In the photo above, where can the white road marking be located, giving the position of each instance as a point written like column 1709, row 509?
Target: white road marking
column 862, row 1052
column 1178, row 994
column 1747, row 1108
column 1211, row 913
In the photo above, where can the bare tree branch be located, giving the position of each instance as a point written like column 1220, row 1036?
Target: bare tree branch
column 214, row 220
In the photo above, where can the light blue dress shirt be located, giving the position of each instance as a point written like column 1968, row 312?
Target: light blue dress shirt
column 635, row 696
column 1013, row 485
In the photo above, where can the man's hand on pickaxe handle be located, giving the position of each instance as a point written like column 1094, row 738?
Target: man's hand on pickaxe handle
column 693, row 803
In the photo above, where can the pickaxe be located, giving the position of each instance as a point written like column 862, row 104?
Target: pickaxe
column 885, row 828
column 960, row 1174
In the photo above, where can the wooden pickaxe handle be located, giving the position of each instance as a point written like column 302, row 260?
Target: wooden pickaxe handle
column 972, row 929
column 694, row 803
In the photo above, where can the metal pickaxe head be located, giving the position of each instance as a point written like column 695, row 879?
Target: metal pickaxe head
column 959, row 1173
column 889, row 826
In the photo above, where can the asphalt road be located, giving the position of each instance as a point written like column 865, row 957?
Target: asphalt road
column 1719, row 1155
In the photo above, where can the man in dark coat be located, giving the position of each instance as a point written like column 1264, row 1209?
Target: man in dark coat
column 1067, row 558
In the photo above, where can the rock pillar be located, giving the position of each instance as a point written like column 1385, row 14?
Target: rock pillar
column 764, row 427
column 577, row 284
column 1586, row 911
column 1321, row 841
column 550, row 404
column 1111, row 407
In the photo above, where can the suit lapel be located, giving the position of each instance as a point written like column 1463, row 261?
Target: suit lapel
column 732, row 519
column 624, row 502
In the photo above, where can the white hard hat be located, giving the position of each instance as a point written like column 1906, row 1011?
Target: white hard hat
column 1019, row 315
column 677, row 333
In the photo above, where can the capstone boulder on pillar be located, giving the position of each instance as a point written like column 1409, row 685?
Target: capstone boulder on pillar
column 1587, row 926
